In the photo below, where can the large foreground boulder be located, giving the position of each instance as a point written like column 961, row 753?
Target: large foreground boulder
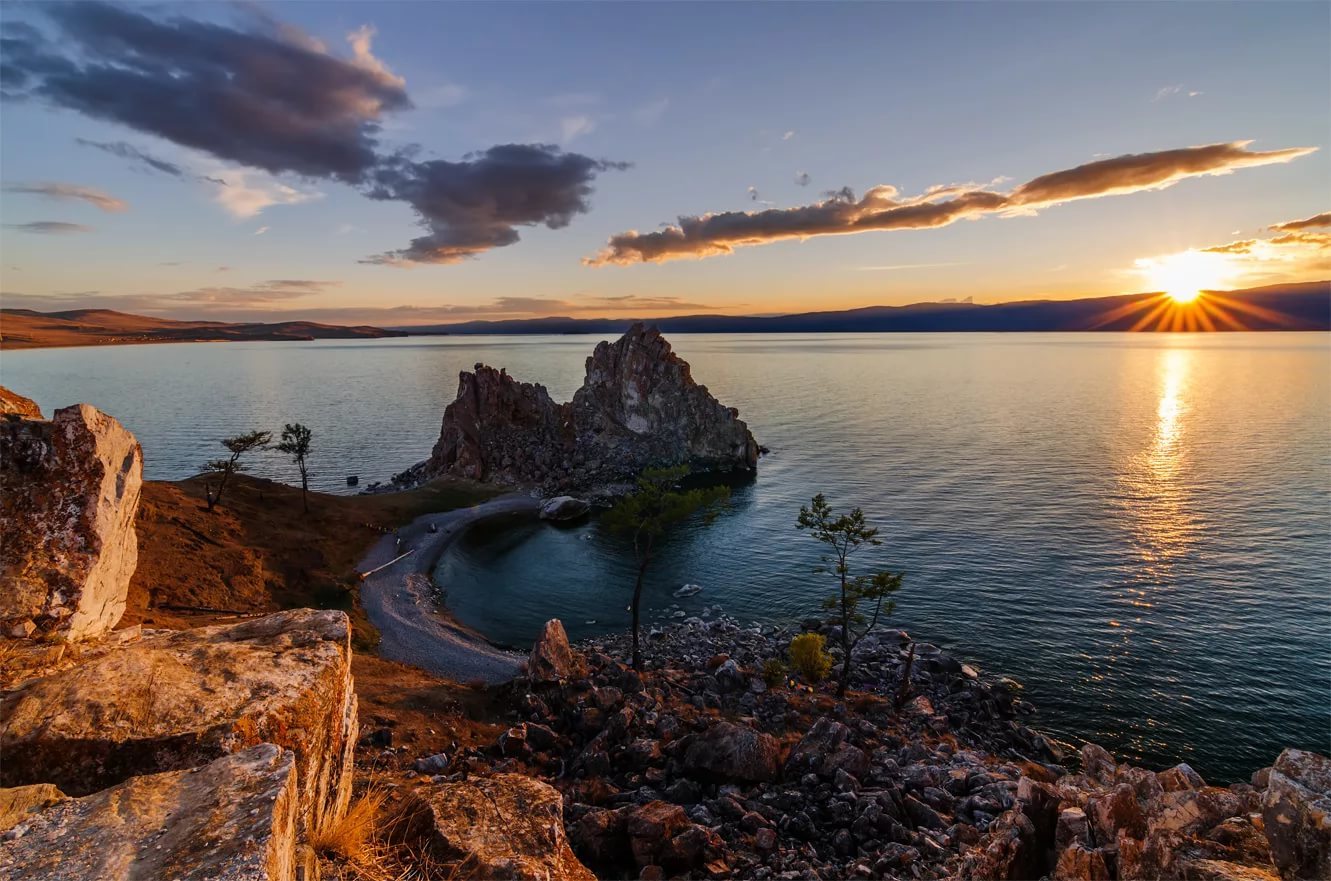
column 182, row 699
column 507, row 826
column 231, row 820
column 638, row 407
column 1296, row 813
column 69, row 491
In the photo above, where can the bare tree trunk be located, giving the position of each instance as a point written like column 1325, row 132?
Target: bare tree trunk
column 845, row 637
column 637, row 599
column 304, row 489
column 904, row 691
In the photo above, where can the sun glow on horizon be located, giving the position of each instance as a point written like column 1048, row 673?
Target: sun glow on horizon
column 1183, row 276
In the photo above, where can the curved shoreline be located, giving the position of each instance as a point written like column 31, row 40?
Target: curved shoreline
column 399, row 598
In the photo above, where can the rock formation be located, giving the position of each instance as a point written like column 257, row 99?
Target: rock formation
column 14, row 404
column 69, row 490
column 638, row 407
column 505, row 826
column 185, row 698
column 231, row 820
column 552, row 659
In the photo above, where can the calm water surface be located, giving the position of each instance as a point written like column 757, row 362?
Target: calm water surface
column 1136, row 527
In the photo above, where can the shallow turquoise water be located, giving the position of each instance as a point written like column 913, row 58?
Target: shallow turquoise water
column 1137, row 527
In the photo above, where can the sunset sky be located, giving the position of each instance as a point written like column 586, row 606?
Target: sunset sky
column 420, row 162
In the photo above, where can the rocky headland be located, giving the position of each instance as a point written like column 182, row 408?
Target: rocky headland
column 247, row 749
column 639, row 407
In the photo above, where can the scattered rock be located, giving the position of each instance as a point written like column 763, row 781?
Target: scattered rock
column 505, row 826
column 231, row 820
column 71, row 492
column 185, row 698
column 18, row 804
column 552, row 659
column 735, row 752
column 564, row 508
column 688, row 590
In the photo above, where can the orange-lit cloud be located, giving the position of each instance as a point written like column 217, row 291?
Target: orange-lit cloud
column 1296, row 254
column 883, row 208
column 66, row 192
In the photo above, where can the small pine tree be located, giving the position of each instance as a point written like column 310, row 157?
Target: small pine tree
column 296, row 444
column 238, row 446
column 656, row 506
column 844, row 535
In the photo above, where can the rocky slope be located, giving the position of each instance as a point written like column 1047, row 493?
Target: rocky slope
column 638, row 407
column 70, row 493
column 699, row 768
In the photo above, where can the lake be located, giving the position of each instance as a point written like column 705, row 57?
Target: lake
column 1137, row 527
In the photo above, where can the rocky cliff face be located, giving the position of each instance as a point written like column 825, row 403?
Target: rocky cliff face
column 638, row 407
column 69, row 490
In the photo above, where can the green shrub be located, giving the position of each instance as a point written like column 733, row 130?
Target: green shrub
column 808, row 657
column 774, row 672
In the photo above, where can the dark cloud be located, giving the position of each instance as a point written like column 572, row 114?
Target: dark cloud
column 477, row 204
column 883, row 208
column 49, row 227
column 270, row 97
column 1315, row 222
column 134, row 154
column 261, row 97
column 802, row 178
column 65, row 192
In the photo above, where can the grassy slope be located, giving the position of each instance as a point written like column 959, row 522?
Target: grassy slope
column 259, row 552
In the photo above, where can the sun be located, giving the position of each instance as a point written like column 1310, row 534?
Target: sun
column 1185, row 275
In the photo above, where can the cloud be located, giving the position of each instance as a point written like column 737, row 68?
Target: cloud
column 1172, row 91
column 260, row 231
column 1314, row 222
column 441, row 96
column 66, row 192
column 244, row 194
column 650, row 114
column 48, row 227
column 575, row 126
column 278, row 300
column 787, row 136
column 134, row 154
column 209, row 300
column 802, row 178
column 258, row 97
column 753, row 194
column 884, row 208
column 477, row 204
column 271, row 98
column 898, row 267
column 1295, row 254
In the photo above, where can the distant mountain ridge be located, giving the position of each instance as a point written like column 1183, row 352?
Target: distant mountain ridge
column 1304, row 306
column 28, row 329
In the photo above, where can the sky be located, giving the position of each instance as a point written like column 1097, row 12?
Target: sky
column 404, row 163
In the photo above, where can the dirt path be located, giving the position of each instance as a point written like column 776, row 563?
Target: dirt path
column 399, row 598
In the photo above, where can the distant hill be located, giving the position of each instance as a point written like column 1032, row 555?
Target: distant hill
column 26, row 329
column 1305, row 306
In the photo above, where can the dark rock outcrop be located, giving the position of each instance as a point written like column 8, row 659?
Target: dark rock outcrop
column 1296, row 810
column 638, row 407
column 69, row 491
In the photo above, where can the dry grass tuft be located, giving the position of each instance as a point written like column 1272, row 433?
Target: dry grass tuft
column 354, row 842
